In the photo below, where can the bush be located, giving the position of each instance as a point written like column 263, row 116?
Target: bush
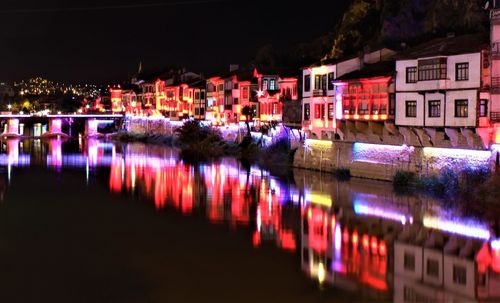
column 402, row 178
column 200, row 143
column 342, row 173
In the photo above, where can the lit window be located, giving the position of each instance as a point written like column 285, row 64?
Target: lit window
column 483, row 108
column 461, row 108
column 330, row 111
column 432, row 69
column 434, row 108
column 272, row 84
column 411, row 109
column 411, row 74
column 307, row 112
column 462, row 71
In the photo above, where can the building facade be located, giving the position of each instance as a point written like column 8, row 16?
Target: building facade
column 443, row 89
column 320, row 100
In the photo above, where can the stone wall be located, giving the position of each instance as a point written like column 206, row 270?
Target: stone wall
column 156, row 126
column 381, row 162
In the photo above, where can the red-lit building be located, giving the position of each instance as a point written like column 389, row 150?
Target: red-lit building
column 366, row 94
column 273, row 91
column 116, row 99
column 227, row 95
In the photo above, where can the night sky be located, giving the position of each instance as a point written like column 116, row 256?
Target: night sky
column 102, row 41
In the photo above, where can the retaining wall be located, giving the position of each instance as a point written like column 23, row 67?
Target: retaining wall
column 381, row 162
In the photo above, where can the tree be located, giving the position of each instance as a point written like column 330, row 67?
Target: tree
column 249, row 113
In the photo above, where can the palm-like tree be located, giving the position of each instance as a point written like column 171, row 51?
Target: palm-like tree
column 249, row 114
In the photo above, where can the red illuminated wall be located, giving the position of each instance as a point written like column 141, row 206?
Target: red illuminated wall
column 365, row 99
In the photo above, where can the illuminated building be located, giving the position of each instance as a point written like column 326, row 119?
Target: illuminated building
column 199, row 92
column 172, row 94
column 365, row 95
column 320, row 100
column 273, row 91
column 116, row 99
column 443, row 92
column 227, row 95
column 491, row 132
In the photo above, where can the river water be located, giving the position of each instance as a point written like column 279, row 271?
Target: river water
column 92, row 221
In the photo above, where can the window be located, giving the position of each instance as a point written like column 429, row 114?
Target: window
column 330, row 111
column 202, row 111
column 459, row 275
column 432, row 268
column 275, row 108
column 411, row 74
column 235, row 101
column 483, row 108
column 461, row 108
column 244, row 93
column 264, row 84
column 409, row 261
column 319, row 111
column 462, row 71
column 307, row 112
column 307, row 83
column 434, row 108
column 272, row 84
column 411, row 109
column 197, row 95
column 235, row 86
column 317, row 82
column 221, row 87
column 331, row 78
column 432, row 69
column 323, row 82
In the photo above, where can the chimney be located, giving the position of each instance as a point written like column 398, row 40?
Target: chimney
column 233, row 67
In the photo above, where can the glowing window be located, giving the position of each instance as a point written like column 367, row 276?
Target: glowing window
column 461, row 108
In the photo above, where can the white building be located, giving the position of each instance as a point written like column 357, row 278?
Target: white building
column 442, row 87
column 319, row 102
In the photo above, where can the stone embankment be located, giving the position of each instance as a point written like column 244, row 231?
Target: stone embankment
column 381, row 162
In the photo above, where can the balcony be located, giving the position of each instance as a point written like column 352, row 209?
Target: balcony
column 495, row 117
column 319, row 92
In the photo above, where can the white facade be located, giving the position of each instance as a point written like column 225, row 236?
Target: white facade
column 450, row 93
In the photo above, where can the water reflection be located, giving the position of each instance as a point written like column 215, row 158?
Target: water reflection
column 358, row 235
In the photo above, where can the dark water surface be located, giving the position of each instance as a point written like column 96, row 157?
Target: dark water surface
column 90, row 221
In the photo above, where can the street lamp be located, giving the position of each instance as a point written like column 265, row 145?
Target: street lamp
column 9, row 106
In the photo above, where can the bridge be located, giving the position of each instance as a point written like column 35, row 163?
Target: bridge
column 14, row 124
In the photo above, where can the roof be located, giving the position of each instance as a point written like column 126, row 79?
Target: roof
column 379, row 69
column 448, row 46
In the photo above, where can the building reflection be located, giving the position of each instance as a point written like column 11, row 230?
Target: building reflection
column 359, row 235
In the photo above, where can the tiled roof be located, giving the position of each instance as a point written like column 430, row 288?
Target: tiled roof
column 447, row 46
column 379, row 69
